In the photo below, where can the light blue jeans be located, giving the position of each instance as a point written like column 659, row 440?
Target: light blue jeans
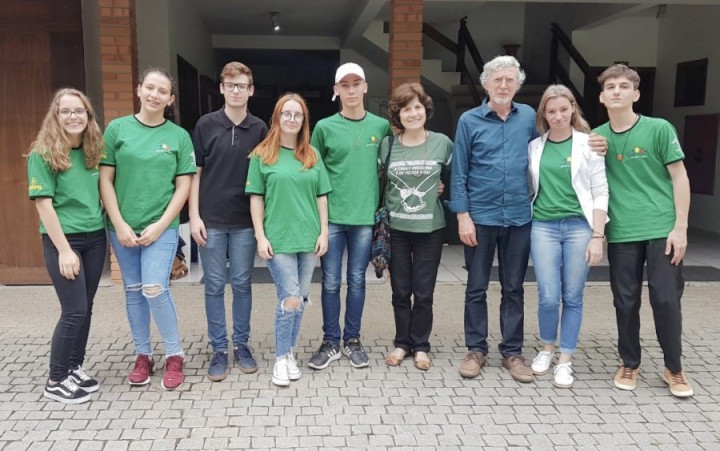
column 237, row 244
column 145, row 268
column 558, row 254
column 358, row 240
column 292, row 274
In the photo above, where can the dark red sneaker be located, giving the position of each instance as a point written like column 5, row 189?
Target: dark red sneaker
column 173, row 377
column 144, row 368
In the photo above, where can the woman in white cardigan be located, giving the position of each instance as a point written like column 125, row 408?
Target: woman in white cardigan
column 569, row 213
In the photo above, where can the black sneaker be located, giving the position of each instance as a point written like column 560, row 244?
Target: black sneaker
column 66, row 392
column 355, row 352
column 327, row 353
column 80, row 377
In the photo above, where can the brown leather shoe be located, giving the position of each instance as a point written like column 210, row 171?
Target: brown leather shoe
column 516, row 365
column 472, row 364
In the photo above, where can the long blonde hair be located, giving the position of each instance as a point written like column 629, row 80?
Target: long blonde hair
column 554, row 91
column 53, row 144
column 269, row 149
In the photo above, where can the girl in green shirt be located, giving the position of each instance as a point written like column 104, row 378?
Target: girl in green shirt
column 145, row 177
column 63, row 182
column 288, row 185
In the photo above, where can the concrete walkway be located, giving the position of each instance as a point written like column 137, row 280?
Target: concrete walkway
column 341, row 407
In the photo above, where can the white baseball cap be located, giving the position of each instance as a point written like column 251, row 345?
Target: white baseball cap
column 348, row 69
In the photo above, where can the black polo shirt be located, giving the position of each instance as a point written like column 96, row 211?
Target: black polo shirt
column 221, row 150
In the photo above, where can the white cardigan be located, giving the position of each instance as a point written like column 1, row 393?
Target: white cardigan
column 587, row 173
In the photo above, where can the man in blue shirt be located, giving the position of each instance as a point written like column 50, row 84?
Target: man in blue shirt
column 490, row 195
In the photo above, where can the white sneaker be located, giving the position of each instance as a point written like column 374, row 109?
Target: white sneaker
column 541, row 363
column 293, row 370
column 563, row 375
column 280, row 372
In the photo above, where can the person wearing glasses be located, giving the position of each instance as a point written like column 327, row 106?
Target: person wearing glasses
column 288, row 188
column 145, row 177
column 489, row 190
column 63, row 182
column 220, row 219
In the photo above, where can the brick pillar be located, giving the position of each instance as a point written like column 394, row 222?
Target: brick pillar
column 406, row 50
column 118, row 54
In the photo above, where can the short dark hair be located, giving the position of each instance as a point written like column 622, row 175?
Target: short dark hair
column 402, row 95
column 619, row 70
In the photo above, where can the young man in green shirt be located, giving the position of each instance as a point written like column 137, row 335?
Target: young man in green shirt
column 649, row 203
column 348, row 143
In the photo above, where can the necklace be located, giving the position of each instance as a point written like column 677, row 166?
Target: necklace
column 355, row 139
column 620, row 156
column 424, row 144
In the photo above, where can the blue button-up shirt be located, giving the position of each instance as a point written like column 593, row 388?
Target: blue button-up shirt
column 490, row 163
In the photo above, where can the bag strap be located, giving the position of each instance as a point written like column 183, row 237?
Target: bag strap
column 381, row 203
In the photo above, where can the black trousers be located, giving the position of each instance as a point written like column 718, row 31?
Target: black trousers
column 666, row 285
column 76, row 299
column 413, row 272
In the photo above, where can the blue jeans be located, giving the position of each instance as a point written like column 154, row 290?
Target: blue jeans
column 146, row 275
column 358, row 240
column 292, row 274
column 237, row 244
column 513, row 247
column 558, row 253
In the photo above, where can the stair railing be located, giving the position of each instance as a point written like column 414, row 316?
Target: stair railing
column 588, row 101
column 465, row 41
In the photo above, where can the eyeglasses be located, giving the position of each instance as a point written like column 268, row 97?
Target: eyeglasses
column 287, row 115
column 509, row 81
column 65, row 113
column 230, row 87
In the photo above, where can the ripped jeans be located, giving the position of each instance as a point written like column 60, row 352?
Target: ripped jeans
column 292, row 274
column 146, row 276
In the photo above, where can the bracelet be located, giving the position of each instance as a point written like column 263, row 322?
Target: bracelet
column 601, row 237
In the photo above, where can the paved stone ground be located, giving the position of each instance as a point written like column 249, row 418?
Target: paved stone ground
column 341, row 407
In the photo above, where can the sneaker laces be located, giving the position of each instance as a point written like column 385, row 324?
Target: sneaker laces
column 217, row 358
column 627, row 372
column 474, row 355
column 679, row 378
column 69, row 384
column 244, row 352
column 142, row 363
column 354, row 345
column 174, row 363
column 80, row 373
column 326, row 347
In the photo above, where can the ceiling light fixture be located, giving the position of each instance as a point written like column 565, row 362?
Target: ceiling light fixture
column 274, row 20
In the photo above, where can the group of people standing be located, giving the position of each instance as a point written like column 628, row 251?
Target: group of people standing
column 295, row 196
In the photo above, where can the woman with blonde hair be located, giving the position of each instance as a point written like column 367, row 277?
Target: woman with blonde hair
column 63, row 182
column 288, row 185
column 569, row 213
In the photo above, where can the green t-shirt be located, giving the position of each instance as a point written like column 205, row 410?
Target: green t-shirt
column 556, row 197
column 349, row 149
column 642, row 206
column 146, row 160
column 292, row 220
column 413, row 179
column 74, row 192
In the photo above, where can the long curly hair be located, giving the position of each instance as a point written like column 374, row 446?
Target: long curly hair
column 269, row 149
column 53, row 143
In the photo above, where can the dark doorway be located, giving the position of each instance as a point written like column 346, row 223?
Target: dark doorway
column 307, row 72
